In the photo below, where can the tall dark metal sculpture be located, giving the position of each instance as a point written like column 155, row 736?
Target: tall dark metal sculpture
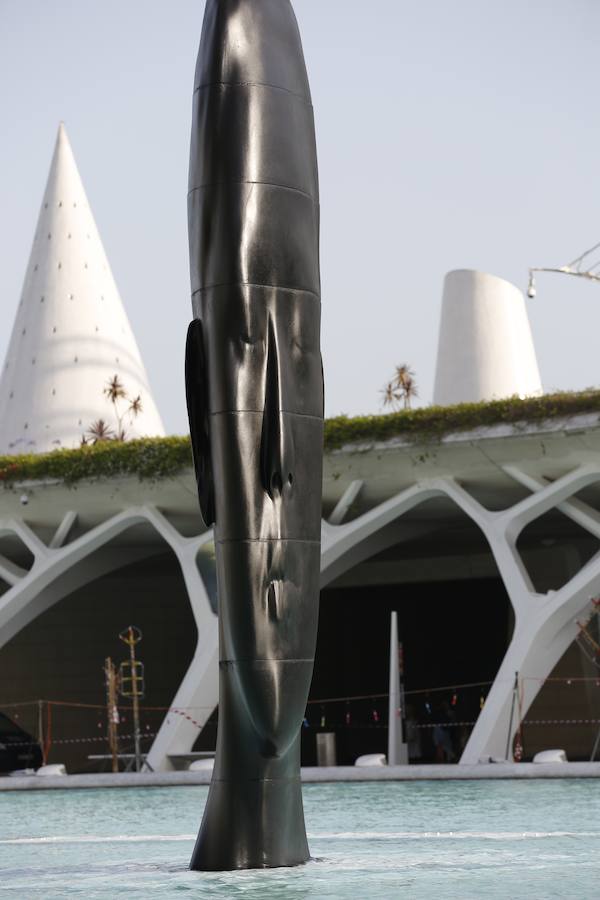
column 255, row 402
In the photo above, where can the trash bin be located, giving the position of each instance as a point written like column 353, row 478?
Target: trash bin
column 326, row 753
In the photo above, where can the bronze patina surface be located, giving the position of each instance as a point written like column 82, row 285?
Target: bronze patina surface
column 255, row 400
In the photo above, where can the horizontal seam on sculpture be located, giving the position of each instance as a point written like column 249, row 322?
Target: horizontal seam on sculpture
column 256, row 780
column 300, row 659
column 284, row 412
column 277, row 287
column 265, row 84
column 274, row 540
column 274, row 184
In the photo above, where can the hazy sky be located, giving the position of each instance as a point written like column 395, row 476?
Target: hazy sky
column 450, row 135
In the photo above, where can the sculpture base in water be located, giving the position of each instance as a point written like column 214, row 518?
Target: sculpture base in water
column 279, row 840
column 254, row 816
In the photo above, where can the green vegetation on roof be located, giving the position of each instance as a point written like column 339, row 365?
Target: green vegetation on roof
column 148, row 458
column 431, row 423
column 154, row 458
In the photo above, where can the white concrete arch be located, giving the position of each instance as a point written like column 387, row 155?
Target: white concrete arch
column 58, row 571
column 198, row 693
column 339, row 543
column 544, row 623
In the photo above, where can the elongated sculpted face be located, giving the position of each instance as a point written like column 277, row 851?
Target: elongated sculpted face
column 254, row 235
column 265, row 397
column 255, row 395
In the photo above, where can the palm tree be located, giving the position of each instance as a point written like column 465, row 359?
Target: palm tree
column 389, row 395
column 114, row 390
column 409, row 389
column 401, row 389
column 135, row 406
column 403, row 372
column 99, row 431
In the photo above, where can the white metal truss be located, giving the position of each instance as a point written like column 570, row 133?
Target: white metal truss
column 545, row 624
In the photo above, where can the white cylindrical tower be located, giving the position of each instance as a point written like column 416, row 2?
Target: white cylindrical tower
column 71, row 334
column 485, row 348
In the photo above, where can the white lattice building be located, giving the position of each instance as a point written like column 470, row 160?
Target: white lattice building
column 514, row 506
column 450, row 512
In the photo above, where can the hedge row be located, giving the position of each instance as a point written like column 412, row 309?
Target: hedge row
column 155, row 458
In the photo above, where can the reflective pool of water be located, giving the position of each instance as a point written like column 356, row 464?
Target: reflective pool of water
column 462, row 839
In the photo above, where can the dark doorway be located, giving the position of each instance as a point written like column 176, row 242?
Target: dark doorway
column 453, row 633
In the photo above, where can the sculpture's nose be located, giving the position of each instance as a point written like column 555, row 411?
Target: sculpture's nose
column 277, row 448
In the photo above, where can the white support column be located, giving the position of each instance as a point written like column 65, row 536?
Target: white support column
column 339, row 542
column 10, row 571
column 26, row 535
column 537, row 645
column 57, row 571
column 38, row 589
column 544, row 623
column 345, row 502
column 547, row 498
column 62, row 532
column 576, row 510
column 198, row 693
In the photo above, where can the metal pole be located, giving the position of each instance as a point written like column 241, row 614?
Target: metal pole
column 132, row 636
column 512, row 712
column 595, row 747
column 397, row 749
column 135, row 701
column 40, row 725
column 112, row 712
column 402, row 703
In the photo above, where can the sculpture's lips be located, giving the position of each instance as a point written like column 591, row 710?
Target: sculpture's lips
column 275, row 696
column 271, row 587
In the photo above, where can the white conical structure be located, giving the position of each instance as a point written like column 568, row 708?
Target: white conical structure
column 71, row 333
column 485, row 348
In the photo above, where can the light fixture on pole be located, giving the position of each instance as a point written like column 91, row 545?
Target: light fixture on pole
column 580, row 267
column 131, row 681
